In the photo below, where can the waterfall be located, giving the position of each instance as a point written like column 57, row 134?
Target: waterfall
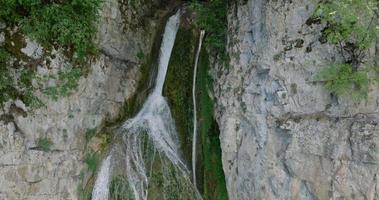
column 194, row 139
column 150, row 153
column 101, row 189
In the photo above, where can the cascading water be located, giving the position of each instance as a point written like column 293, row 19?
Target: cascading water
column 101, row 189
column 194, row 138
column 150, row 158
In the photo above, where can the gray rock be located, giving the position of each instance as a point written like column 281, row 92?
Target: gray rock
column 2, row 38
column 127, row 27
column 282, row 136
column 28, row 173
column 32, row 49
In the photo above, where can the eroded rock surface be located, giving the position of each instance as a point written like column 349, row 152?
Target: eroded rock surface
column 28, row 172
column 283, row 136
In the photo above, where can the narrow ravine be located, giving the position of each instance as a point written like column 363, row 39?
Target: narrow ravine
column 194, row 139
column 149, row 156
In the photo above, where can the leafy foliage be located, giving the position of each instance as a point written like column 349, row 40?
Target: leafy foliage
column 352, row 25
column 350, row 21
column 7, row 89
column 343, row 81
column 212, row 18
column 8, row 85
column 70, row 23
column 61, row 23
column 22, row 87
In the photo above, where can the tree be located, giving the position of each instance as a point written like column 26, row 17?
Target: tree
column 352, row 25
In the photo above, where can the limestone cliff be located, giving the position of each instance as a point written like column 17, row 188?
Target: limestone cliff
column 28, row 172
column 284, row 136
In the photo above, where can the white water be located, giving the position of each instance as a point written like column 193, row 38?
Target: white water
column 194, row 139
column 151, row 136
column 101, row 189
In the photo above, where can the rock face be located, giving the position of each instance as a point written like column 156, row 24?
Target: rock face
column 282, row 135
column 27, row 172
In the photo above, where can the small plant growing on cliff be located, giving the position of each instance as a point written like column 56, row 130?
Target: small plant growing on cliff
column 343, row 81
column 352, row 25
column 10, row 88
column 7, row 89
column 44, row 144
column 90, row 133
column 91, row 159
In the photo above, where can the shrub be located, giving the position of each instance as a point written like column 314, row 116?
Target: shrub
column 343, row 81
column 91, row 159
column 70, row 24
column 11, row 88
column 350, row 21
column 352, row 25
column 7, row 89
column 212, row 18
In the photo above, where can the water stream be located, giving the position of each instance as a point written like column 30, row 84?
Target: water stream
column 151, row 165
column 194, row 139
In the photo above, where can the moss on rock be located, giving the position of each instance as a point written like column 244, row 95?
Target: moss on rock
column 178, row 87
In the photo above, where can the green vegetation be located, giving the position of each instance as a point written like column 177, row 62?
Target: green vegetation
column 26, row 89
column 12, row 88
column 178, row 87
column 90, row 133
column 212, row 18
column 66, row 81
column 44, row 144
column 70, row 24
column 213, row 178
column 7, row 89
column 119, row 189
column 81, row 188
column 105, row 138
column 343, row 81
column 352, row 25
column 92, row 160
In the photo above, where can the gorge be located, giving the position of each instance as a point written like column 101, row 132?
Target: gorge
column 239, row 99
